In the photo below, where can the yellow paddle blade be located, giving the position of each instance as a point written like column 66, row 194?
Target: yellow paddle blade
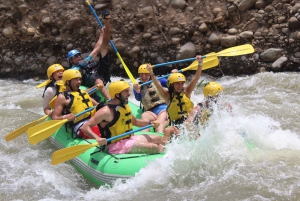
column 126, row 69
column 23, row 129
column 208, row 62
column 66, row 154
column 235, row 51
column 44, row 130
column 43, row 84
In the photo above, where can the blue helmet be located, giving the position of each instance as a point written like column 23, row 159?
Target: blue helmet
column 71, row 54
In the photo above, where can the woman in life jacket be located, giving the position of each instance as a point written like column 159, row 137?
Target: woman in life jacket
column 54, row 86
column 177, row 96
column 201, row 113
column 154, row 105
column 203, row 110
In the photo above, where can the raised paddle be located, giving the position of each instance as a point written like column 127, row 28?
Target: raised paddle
column 209, row 62
column 112, row 44
column 44, row 130
column 232, row 51
column 23, row 129
column 68, row 153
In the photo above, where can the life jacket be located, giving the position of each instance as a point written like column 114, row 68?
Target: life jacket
column 179, row 107
column 79, row 101
column 119, row 125
column 205, row 113
column 59, row 88
column 150, row 97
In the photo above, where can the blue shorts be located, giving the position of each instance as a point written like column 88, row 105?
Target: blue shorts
column 159, row 108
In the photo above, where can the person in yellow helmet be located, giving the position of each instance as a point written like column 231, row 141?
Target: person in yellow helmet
column 202, row 111
column 177, row 96
column 73, row 101
column 154, row 105
column 54, row 86
column 116, row 118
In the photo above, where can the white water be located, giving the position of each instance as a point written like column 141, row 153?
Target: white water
column 217, row 166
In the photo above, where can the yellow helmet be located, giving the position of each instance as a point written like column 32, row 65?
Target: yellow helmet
column 143, row 69
column 176, row 77
column 53, row 68
column 70, row 74
column 116, row 87
column 212, row 89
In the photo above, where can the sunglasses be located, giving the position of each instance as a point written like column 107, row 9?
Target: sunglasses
column 77, row 55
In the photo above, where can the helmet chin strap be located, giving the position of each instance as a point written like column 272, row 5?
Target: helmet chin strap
column 69, row 85
column 120, row 99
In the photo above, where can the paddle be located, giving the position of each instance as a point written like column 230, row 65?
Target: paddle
column 232, row 51
column 209, row 62
column 112, row 44
column 23, row 129
column 44, row 130
column 71, row 152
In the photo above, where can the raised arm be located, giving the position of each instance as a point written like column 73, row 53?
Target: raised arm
column 191, row 86
column 162, row 92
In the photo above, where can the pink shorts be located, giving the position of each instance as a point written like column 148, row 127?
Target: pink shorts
column 122, row 146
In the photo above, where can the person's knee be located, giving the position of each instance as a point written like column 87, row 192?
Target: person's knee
column 99, row 81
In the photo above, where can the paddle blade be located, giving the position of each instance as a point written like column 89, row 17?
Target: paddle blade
column 237, row 50
column 44, row 130
column 209, row 62
column 23, row 129
column 66, row 154
column 43, row 84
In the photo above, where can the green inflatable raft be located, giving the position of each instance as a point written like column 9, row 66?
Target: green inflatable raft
column 99, row 166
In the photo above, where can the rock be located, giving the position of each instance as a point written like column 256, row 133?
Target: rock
column 18, row 60
column 203, row 28
column 246, row 4
column 293, row 23
column 246, row 34
column 47, row 52
column 8, row 32
column 277, row 65
column 134, row 52
column 178, row 4
column 188, row 50
column 271, row 54
column 214, row 39
column 228, row 41
column 232, row 31
column 174, row 30
column 51, row 60
column 31, row 31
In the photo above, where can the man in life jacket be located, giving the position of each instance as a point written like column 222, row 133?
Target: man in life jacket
column 177, row 96
column 95, row 73
column 54, row 86
column 73, row 101
column 116, row 118
column 153, row 103
column 202, row 111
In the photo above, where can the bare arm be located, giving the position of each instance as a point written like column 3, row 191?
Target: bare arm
column 101, row 115
column 195, row 111
column 58, row 109
column 162, row 92
column 106, row 37
column 189, row 89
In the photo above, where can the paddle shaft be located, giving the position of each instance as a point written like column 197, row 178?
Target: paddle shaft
column 73, row 151
column 112, row 44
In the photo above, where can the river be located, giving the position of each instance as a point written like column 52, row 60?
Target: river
column 217, row 166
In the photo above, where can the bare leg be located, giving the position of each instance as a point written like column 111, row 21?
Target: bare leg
column 148, row 144
column 148, row 116
column 163, row 121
